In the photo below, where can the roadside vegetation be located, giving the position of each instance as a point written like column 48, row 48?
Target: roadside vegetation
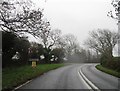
column 109, row 71
column 103, row 41
column 13, row 77
column 52, row 47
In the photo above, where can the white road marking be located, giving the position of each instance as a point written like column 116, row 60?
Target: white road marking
column 21, row 85
column 84, row 81
column 88, row 81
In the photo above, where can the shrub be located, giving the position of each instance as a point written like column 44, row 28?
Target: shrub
column 111, row 64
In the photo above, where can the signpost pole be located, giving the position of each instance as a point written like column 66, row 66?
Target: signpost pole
column 118, row 14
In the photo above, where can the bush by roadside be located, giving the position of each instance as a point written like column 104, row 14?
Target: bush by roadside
column 113, row 64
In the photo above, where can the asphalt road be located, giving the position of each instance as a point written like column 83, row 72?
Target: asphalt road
column 100, row 79
column 68, row 78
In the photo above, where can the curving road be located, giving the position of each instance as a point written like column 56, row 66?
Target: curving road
column 100, row 79
column 68, row 77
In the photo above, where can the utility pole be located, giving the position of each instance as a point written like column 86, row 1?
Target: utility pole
column 116, row 5
column 118, row 14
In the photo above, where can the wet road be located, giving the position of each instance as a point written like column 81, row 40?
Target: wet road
column 68, row 77
column 100, row 79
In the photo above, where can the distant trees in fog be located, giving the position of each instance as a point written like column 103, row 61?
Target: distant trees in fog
column 103, row 42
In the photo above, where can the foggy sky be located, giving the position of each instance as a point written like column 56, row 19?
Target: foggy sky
column 78, row 16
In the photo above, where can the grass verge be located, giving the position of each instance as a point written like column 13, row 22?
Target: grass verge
column 109, row 71
column 12, row 77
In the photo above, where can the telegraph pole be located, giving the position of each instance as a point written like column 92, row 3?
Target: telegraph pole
column 118, row 14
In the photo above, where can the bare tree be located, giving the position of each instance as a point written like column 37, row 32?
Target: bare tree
column 50, row 38
column 45, row 33
column 55, row 36
column 18, row 17
column 103, row 41
column 113, row 13
column 70, row 44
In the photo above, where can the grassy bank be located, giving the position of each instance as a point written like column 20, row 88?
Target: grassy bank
column 109, row 71
column 12, row 77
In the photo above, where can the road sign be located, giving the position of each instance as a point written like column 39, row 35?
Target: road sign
column 33, row 64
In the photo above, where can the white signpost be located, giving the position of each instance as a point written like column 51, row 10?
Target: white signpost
column 118, row 14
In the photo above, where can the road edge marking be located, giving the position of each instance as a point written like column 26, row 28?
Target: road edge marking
column 89, row 82
column 21, row 85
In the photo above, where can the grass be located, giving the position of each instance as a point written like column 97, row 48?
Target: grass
column 109, row 71
column 12, row 77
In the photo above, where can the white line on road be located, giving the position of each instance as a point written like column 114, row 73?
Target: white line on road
column 84, row 81
column 21, row 85
column 88, row 81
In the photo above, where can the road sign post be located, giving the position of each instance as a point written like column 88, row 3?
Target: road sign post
column 33, row 54
column 34, row 62
column 118, row 15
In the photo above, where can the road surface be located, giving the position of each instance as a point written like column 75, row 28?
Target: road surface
column 69, row 77
column 100, row 79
